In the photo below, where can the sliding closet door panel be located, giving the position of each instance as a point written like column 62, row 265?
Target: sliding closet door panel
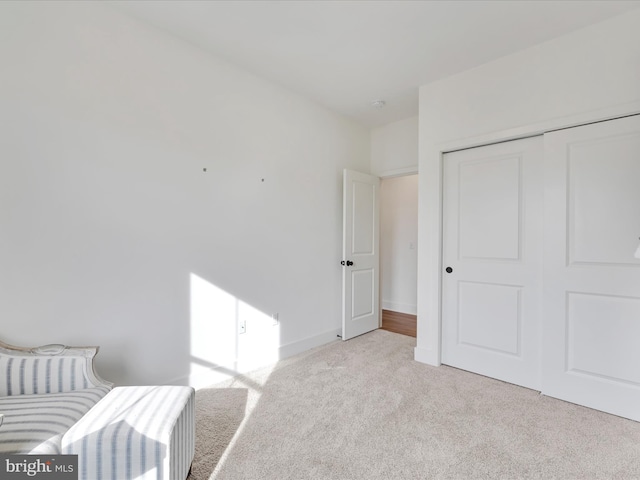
column 492, row 251
column 592, row 280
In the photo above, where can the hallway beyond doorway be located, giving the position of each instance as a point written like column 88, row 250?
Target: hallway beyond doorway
column 402, row 323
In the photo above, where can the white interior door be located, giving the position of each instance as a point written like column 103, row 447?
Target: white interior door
column 492, row 254
column 360, row 254
column 591, row 352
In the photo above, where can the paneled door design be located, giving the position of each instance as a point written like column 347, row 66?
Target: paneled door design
column 591, row 353
column 360, row 254
column 492, row 255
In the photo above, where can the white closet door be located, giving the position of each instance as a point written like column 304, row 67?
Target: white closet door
column 492, row 242
column 591, row 347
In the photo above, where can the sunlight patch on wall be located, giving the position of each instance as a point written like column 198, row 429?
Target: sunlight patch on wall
column 228, row 335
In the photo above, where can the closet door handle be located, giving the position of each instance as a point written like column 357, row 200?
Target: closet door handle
column 448, row 269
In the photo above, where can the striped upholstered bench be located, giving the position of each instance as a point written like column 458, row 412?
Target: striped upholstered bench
column 136, row 433
column 52, row 402
column 43, row 392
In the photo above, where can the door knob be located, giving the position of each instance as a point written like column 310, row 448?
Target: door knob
column 349, row 263
column 448, row 269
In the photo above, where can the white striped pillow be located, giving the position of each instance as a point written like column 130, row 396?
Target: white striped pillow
column 22, row 375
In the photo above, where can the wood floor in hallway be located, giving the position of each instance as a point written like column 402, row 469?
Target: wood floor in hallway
column 397, row 322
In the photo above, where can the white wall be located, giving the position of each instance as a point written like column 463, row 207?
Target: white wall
column 112, row 234
column 394, row 148
column 591, row 74
column 398, row 243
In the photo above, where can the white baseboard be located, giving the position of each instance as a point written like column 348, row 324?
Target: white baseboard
column 400, row 307
column 308, row 343
column 203, row 377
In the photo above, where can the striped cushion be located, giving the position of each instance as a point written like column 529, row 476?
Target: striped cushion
column 136, row 433
column 29, row 374
column 36, row 423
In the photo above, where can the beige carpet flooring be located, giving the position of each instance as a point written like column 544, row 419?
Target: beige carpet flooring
column 364, row 409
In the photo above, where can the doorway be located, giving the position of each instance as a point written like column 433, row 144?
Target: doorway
column 398, row 253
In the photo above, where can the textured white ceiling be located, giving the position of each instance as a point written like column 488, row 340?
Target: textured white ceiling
column 345, row 54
